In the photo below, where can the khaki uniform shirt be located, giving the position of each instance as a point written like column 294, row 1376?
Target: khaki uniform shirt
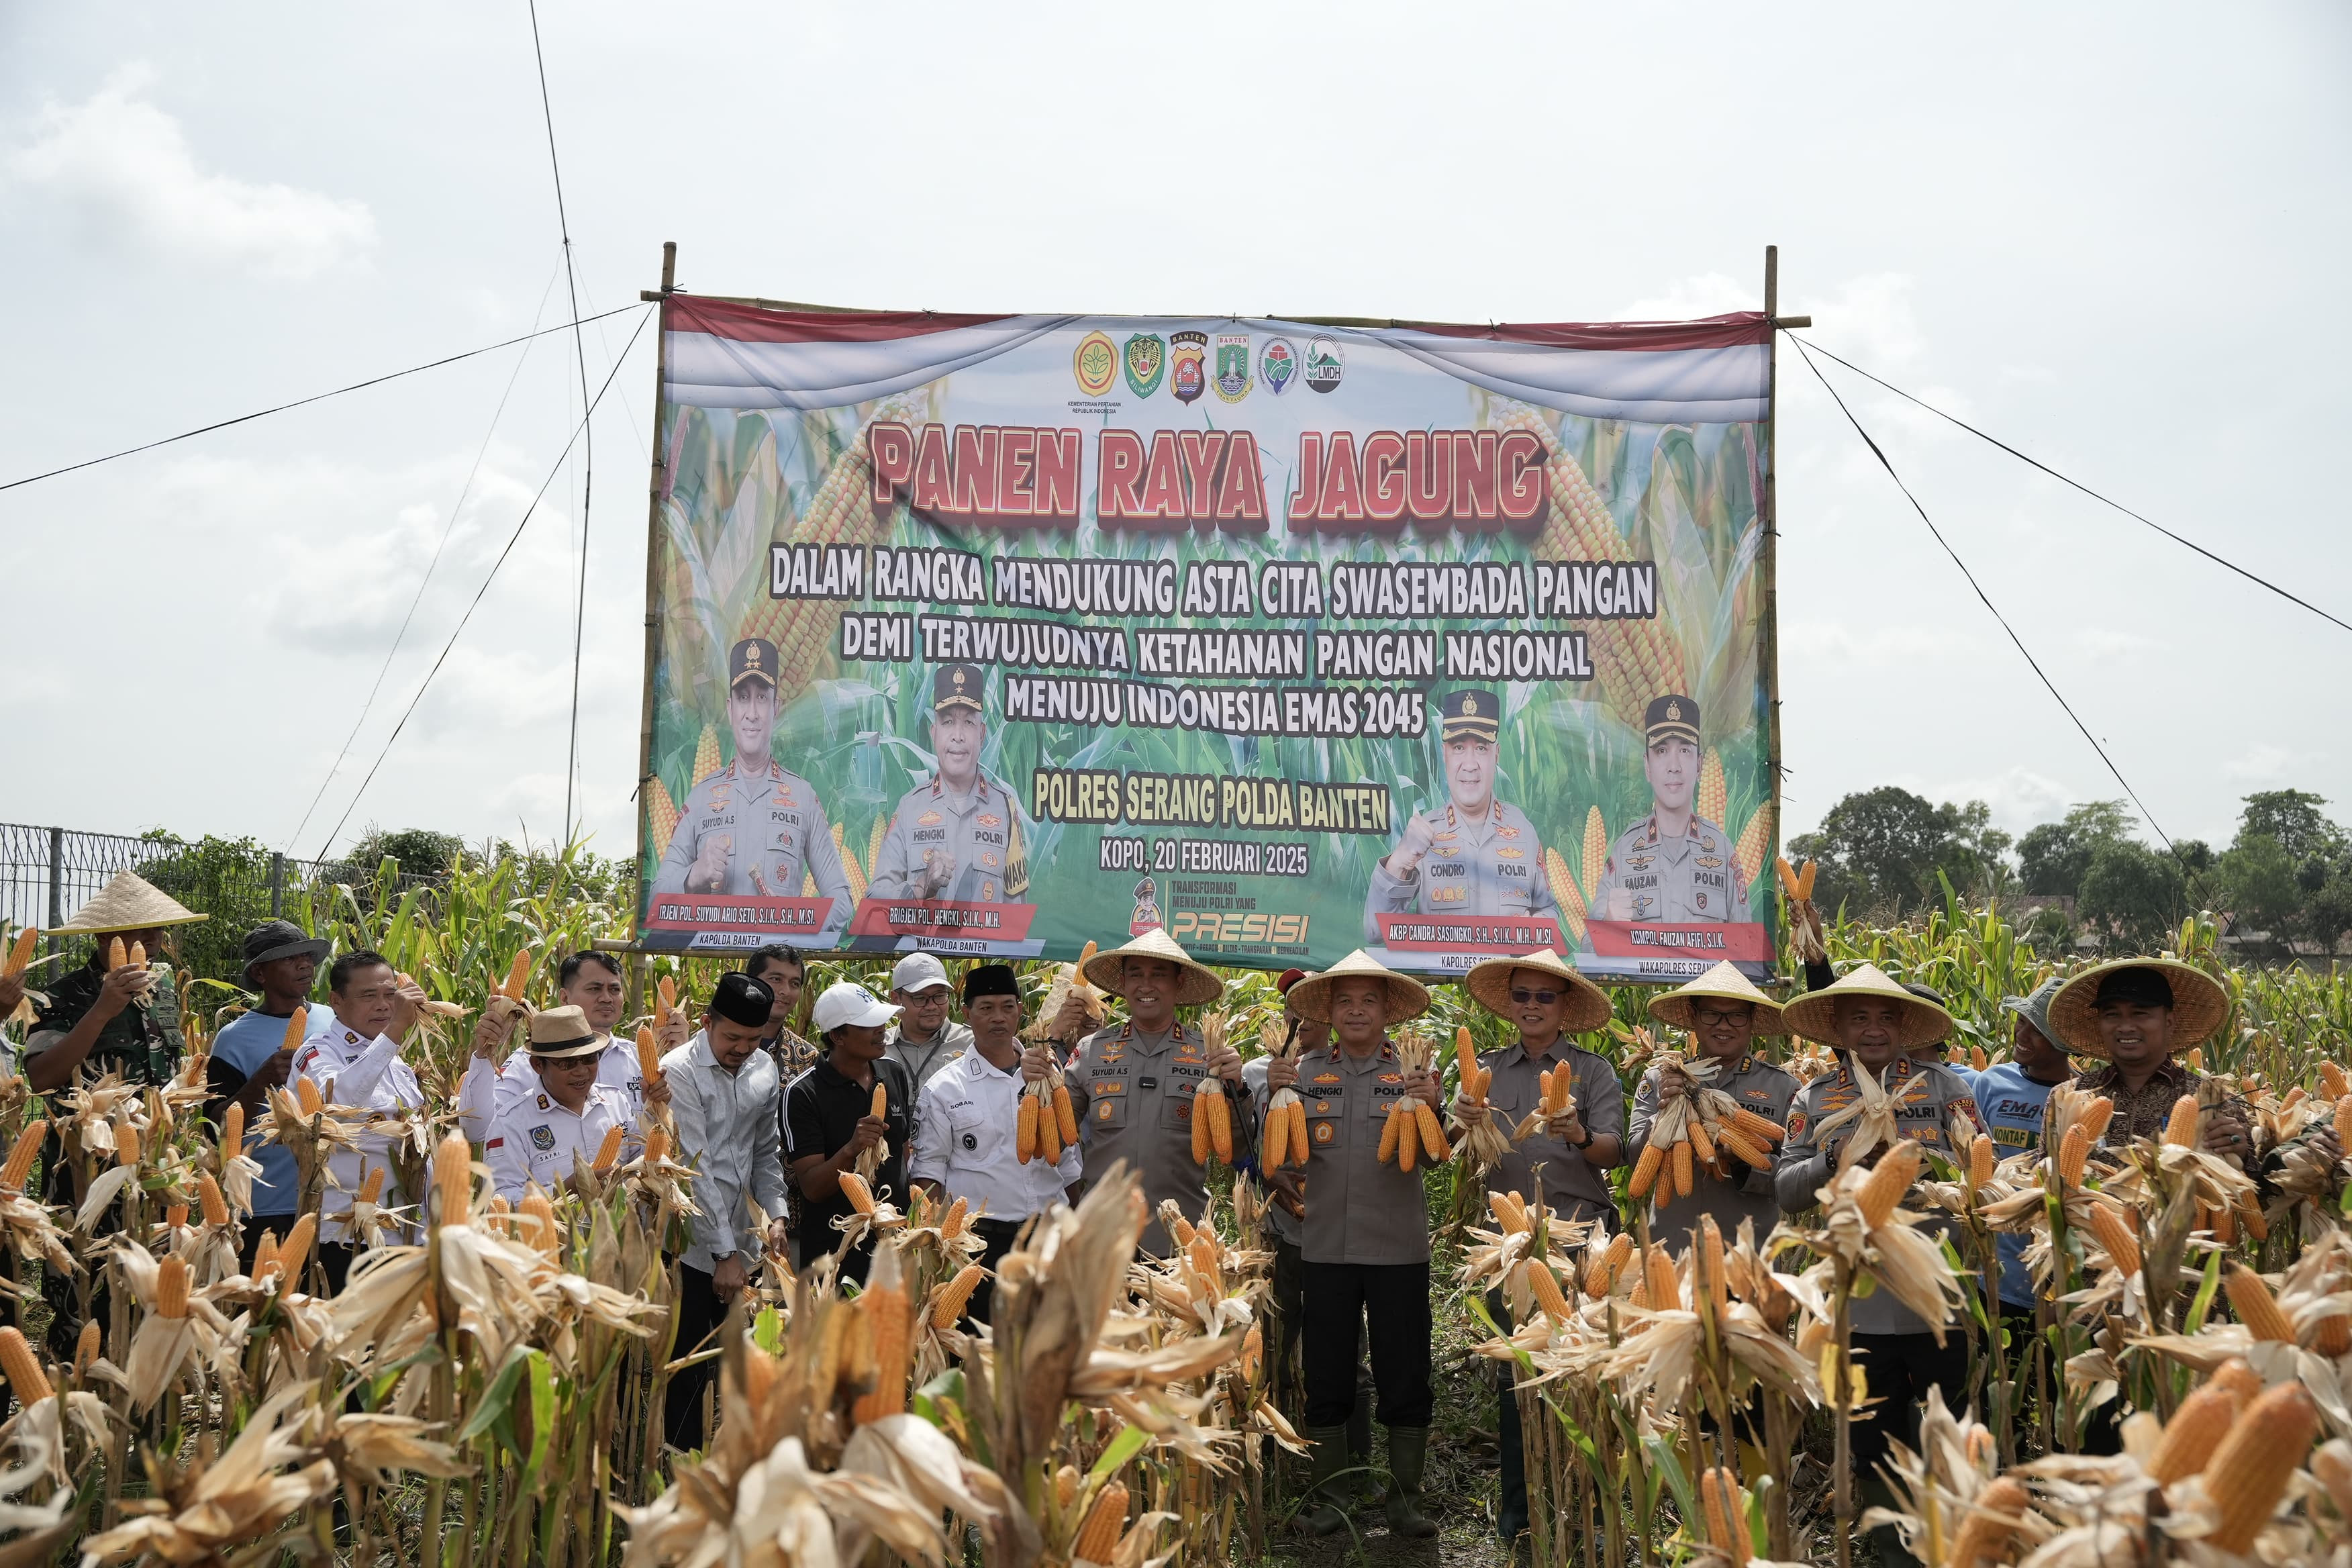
column 1690, row 880
column 1733, row 1190
column 977, row 836
column 1573, row 1186
column 1927, row 1097
column 1493, row 865
column 778, row 835
column 1133, row 1095
column 1358, row 1209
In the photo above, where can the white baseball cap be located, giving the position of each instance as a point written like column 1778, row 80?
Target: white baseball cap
column 918, row 973
column 847, row 1003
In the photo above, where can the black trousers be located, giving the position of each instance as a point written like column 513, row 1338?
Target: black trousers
column 1900, row 1369
column 1289, row 1302
column 996, row 1236
column 1338, row 1299
column 699, row 1313
column 335, row 1260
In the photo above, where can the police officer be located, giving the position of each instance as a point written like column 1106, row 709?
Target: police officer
column 1475, row 856
column 538, row 1136
column 1673, row 865
column 1724, row 1013
column 958, row 837
column 752, row 828
column 1132, row 1083
column 1366, row 1236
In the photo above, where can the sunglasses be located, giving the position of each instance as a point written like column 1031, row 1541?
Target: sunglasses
column 1539, row 999
column 1711, row 1015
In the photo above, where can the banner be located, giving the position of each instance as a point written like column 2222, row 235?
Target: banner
column 995, row 634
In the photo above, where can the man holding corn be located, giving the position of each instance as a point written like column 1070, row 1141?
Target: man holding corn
column 357, row 1063
column 1474, row 856
column 830, row 1122
column 1723, row 1013
column 590, row 982
column 751, row 828
column 958, row 837
column 543, row 1136
column 1673, row 865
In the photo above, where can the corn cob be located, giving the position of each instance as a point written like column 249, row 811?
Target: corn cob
column 2251, row 1298
column 1658, row 1268
column 86, row 1347
column 1202, row 1145
column 648, row 1054
column 541, row 1213
column 1025, row 1142
column 2342, row 1121
column 1277, row 1149
column 232, row 1138
column 116, row 957
column 1702, row 1146
column 2074, row 1150
column 608, row 1152
column 1049, row 1134
column 1098, row 1539
column 1066, row 1113
column 2195, row 1430
column 2249, row 1211
column 1546, row 1291
column 1065, row 1486
column 1565, row 894
column 2223, row 1223
column 1432, row 1132
column 1888, row 1182
column 1221, row 1121
column 850, row 868
column 1408, row 1137
column 2250, row 1471
column 126, row 1145
column 453, row 1179
column 661, row 816
column 176, row 1216
column 1755, row 843
column 265, row 1256
column 886, row 1310
column 1682, row 1166
column 1510, row 1211
column 2241, row 1378
column 172, row 1287
column 518, row 975
column 1391, row 1134
column 25, row 1374
column 1601, row 1273
column 22, row 1154
column 1726, row 1522
column 20, row 953
column 707, row 760
column 2180, row 1128
column 860, row 1196
column 1596, row 852
column 2335, row 1080
column 952, row 1226
column 874, row 842
column 1711, row 801
column 2332, row 1336
column 666, row 990
column 1985, row 1535
column 1183, row 1229
column 208, row 1193
column 1735, row 1144
column 2115, row 1235
column 1981, row 1161
column 1978, row 1060
column 1756, row 1127
column 1253, row 1353
column 1646, row 1171
column 1710, row 1254
column 1297, row 1111
column 372, row 1185
column 138, row 955
column 954, row 1294
column 2295, row 1097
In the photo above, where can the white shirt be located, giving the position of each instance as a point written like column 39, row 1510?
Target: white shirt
column 481, row 1095
column 347, row 1069
column 726, row 1130
column 967, row 1139
column 534, row 1138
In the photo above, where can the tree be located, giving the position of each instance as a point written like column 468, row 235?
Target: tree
column 2053, row 858
column 2131, row 896
column 1879, row 852
column 2293, row 817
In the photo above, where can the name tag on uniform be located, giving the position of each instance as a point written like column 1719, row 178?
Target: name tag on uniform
column 1148, row 1082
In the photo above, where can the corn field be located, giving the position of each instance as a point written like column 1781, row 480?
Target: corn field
column 489, row 1385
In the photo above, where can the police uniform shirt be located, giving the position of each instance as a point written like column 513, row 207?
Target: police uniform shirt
column 1359, row 1210
column 1927, row 1097
column 1492, row 865
column 1280, row 1222
column 967, row 1133
column 779, row 836
column 1690, row 880
column 1573, row 1186
column 978, row 831
column 348, row 1069
column 534, row 1138
column 1733, row 1190
column 1133, row 1093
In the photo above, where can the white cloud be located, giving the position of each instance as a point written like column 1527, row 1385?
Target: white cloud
column 1709, row 294
column 2263, row 764
column 126, row 167
column 1868, row 319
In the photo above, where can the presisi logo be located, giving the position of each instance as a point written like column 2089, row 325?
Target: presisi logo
column 1237, row 928
column 1097, row 364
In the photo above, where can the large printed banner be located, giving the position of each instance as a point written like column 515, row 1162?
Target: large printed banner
column 1001, row 634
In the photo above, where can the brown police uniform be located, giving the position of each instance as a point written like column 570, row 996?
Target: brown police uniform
column 1133, row 1094
column 1731, row 1190
column 1574, row 1187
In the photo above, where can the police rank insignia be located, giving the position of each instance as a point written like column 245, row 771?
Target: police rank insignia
column 1187, row 354
column 930, row 819
column 1147, row 362
column 987, row 821
column 1233, row 378
column 1710, row 862
column 1096, row 364
column 1326, row 1078
column 543, row 1140
column 1277, row 366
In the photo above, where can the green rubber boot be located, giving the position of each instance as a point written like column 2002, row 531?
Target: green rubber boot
column 1330, row 1457
column 1408, row 1457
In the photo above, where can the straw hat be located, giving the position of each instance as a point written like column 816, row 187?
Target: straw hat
column 1311, row 998
column 1724, row 983
column 561, row 1031
column 1814, row 1016
column 2198, row 1005
column 130, row 902
column 1197, row 983
column 1490, row 983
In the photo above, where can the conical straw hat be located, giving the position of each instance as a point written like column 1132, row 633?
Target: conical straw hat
column 1724, row 983
column 1588, row 1006
column 2198, row 1005
column 1814, row 1016
column 1311, row 998
column 1200, row 983
column 130, row 902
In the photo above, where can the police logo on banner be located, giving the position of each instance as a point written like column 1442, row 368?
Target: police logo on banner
column 1187, row 375
column 1277, row 366
column 1326, row 364
column 1147, row 362
column 1234, row 377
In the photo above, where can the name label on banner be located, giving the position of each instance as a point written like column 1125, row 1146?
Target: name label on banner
column 917, row 917
column 1749, row 943
column 1449, row 933
column 731, row 921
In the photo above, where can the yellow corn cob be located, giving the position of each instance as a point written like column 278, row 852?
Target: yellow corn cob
column 1888, row 1181
column 22, row 1154
column 265, row 1256
column 1408, row 1149
column 2295, row 1097
column 1712, row 800
column 2223, row 1223
column 172, row 1287
column 850, row 868
column 656, row 1145
column 1432, row 1132
column 176, row 1216
column 707, row 760
column 2343, row 1121
column 2241, row 1378
column 25, row 1374
column 1981, row 1161
column 1221, row 1123
column 1392, row 1133
column 2250, row 1212
column 1049, row 1135
column 2074, row 1150
column 1740, row 1147
column 1646, row 1171
column 2334, row 1081
column 1183, row 1229
column 1546, row 1291
column 1565, row 893
column 1066, row 1114
column 874, row 842
column 116, row 956
column 954, row 1294
column 2332, row 1336
column 2250, row 1471
column 1511, row 1212
column 666, row 990
column 2115, row 1235
column 2096, row 1117
column 1710, row 1255
column 1024, row 1143
column 126, row 1145
column 1985, row 1535
column 1978, row 1059
column 232, row 1139
column 518, row 975
column 2180, row 1128
column 1601, row 1273
column 87, row 1347
column 1756, row 1127
column 1202, row 1142
column 608, row 1152
column 453, row 1179
column 1639, row 1296
column 1253, row 1353
column 1465, row 1055
column 295, row 1251
column 952, row 1226
column 1788, row 875
column 1702, row 1146
column 2195, row 1430
column 1595, row 852
column 20, row 953
column 1298, row 1150
column 1682, row 1162
column 885, row 1310
column 860, row 1196
column 1658, row 1268
column 2250, row 1296
column 661, row 815
column 138, row 955
column 208, row 1193
column 1726, row 1522
column 648, row 1054
column 1098, row 1539
column 541, row 1215
column 1275, row 1150
column 1065, row 1486
column 372, row 1185
column 1755, row 843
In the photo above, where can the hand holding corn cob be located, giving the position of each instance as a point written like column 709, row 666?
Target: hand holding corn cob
column 1071, row 1007
column 1804, row 915
column 1213, row 1116
column 1484, row 1140
column 1283, row 1143
column 1697, row 1127
column 1413, row 1132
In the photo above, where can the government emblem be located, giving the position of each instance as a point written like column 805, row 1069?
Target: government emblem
column 543, row 1138
column 1187, row 375
column 1234, row 377
column 1326, row 364
column 1277, row 366
column 1096, row 364
column 1147, row 362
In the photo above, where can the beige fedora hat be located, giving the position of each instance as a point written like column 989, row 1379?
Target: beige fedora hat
column 561, row 1031
column 1814, row 1016
column 2198, row 1005
column 130, row 902
column 1200, row 984
column 1724, row 983
column 1311, row 998
column 1490, row 984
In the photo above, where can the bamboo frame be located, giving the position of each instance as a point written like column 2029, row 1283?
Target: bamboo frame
column 655, row 486
column 1767, row 553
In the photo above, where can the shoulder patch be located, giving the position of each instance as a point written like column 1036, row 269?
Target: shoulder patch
column 542, row 1139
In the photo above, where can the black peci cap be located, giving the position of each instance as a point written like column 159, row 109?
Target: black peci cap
column 989, row 980
column 740, row 999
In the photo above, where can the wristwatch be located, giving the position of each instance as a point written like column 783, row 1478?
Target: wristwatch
column 1587, row 1141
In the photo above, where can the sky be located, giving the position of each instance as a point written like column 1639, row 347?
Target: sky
column 2111, row 236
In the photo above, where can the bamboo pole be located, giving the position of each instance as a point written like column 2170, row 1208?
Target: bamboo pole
column 1767, row 552
column 657, row 485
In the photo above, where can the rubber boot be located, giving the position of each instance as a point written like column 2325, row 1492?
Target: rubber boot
column 1319, row 1516
column 1408, row 1456
column 1364, row 1486
column 1886, row 1542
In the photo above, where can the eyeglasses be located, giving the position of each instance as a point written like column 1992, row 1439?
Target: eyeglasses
column 1539, row 999
column 1709, row 1016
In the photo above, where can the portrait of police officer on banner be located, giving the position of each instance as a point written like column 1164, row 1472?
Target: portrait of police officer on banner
column 753, row 828
column 1475, row 855
column 1674, row 867
column 956, row 839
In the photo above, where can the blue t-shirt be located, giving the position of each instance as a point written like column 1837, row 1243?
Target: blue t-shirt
column 2010, row 1104
column 245, row 1042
